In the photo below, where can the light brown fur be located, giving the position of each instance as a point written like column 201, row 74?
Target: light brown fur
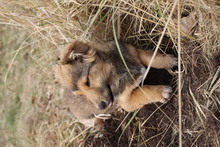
column 94, row 79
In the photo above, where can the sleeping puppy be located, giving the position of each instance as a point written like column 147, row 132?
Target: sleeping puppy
column 96, row 80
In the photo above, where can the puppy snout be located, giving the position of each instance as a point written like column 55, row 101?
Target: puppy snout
column 102, row 105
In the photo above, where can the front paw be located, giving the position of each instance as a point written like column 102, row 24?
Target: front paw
column 99, row 124
column 166, row 93
column 171, row 61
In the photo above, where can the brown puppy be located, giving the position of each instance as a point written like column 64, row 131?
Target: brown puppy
column 96, row 81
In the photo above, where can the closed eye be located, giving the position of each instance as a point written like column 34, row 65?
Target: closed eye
column 88, row 82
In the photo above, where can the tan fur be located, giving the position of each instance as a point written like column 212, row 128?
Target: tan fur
column 160, row 60
column 92, row 75
column 133, row 99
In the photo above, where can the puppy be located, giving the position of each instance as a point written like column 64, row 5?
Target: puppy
column 97, row 80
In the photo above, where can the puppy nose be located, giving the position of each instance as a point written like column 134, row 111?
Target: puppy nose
column 102, row 105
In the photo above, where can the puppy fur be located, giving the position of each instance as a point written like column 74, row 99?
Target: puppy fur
column 96, row 81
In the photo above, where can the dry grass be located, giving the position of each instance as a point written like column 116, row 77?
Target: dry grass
column 33, row 32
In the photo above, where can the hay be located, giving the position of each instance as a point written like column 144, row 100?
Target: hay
column 33, row 33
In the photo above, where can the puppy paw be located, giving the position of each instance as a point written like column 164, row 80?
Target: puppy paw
column 171, row 61
column 166, row 92
column 99, row 124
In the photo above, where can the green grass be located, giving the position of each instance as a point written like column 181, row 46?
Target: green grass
column 11, row 117
column 9, row 101
column 11, row 113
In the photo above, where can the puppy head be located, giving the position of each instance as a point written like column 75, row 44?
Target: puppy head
column 82, row 71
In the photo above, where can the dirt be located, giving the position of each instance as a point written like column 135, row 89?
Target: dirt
column 156, row 131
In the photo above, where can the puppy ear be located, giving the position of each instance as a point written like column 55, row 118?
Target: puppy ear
column 77, row 52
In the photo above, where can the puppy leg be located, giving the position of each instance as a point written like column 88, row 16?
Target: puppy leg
column 160, row 60
column 97, row 123
column 146, row 95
